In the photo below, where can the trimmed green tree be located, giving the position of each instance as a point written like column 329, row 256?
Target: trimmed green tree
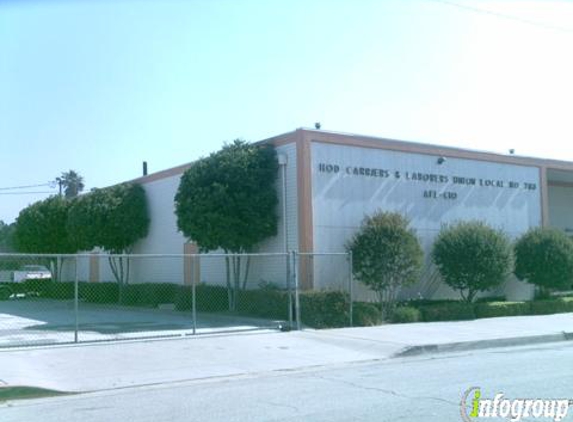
column 472, row 257
column 386, row 255
column 228, row 201
column 544, row 257
column 41, row 229
column 112, row 219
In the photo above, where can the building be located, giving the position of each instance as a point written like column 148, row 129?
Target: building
column 333, row 180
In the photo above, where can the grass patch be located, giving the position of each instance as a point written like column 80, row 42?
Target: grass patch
column 23, row 393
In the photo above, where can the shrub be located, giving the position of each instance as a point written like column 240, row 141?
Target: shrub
column 266, row 303
column 544, row 257
column 386, row 255
column 99, row 292
column 212, row 298
column 207, row 299
column 39, row 286
column 318, row 309
column 453, row 311
column 472, row 257
column 184, row 298
column 61, row 290
column 547, row 307
column 5, row 291
column 366, row 314
column 325, row 309
column 500, row 309
column 405, row 314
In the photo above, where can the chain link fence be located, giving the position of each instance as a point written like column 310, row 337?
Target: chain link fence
column 52, row 299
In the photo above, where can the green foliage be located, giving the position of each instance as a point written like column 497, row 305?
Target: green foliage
column 150, row 294
column 112, row 218
column 324, row 309
column 208, row 298
column 472, row 257
column 5, row 291
column 72, row 183
column 544, row 257
column 500, row 309
column 265, row 303
column 555, row 306
column 366, row 314
column 61, row 290
column 318, row 309
column 228, row 199
column 386, row 255
column 184, row 299
column 449, row 311
column 405, row 314
column 41, row 228
column 7, row 236
column 105, row 292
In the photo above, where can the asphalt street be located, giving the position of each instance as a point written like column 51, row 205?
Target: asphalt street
column 425, row 388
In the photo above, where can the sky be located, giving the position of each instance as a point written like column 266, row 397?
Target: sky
column 100, row 86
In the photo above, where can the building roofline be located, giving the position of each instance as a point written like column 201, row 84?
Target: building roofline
column 318, row 135
column 443, row 149
column 180, row 169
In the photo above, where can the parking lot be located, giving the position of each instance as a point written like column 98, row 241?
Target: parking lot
column 35, row 321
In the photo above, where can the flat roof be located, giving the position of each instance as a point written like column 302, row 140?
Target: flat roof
column 319, row 135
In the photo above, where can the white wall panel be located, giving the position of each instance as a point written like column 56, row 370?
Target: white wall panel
column 345, row 189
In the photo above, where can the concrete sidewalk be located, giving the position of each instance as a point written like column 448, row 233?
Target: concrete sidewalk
column 93, row 367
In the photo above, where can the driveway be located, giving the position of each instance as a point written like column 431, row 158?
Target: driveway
column 33, row 321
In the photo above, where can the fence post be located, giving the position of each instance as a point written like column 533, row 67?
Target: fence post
column 289, row 290
column 296, row 289
column 76, row 302
column 351, row 287
column 193, row 294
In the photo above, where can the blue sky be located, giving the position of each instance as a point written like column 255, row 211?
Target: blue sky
column 100, row 86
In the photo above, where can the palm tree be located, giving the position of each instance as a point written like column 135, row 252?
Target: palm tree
column 71, row 182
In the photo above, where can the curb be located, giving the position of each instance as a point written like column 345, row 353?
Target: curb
column 482, row 344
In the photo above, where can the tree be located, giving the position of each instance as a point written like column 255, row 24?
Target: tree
column 544, row 257
column 228, row 201
column 72, row 183
column 7, row 246
column 386, row 255
column 472, row 257
column 112, row 219
column 41, row 229
column 6, row 236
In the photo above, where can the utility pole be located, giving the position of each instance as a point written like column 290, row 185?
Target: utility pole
column 59, row 180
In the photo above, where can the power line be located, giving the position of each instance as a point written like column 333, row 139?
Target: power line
column 24, row 193
column 505, row 16
column 25, row 187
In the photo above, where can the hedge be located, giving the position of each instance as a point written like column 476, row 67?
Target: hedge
column 555, row 306
column 365, row 314
column 449, row 311
column 499, row 309
column 319, row 309
column 405, row 314
column 455, row 311
column 324, row 309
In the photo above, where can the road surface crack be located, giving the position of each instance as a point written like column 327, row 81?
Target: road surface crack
column 287, row 406
column 389, row 392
